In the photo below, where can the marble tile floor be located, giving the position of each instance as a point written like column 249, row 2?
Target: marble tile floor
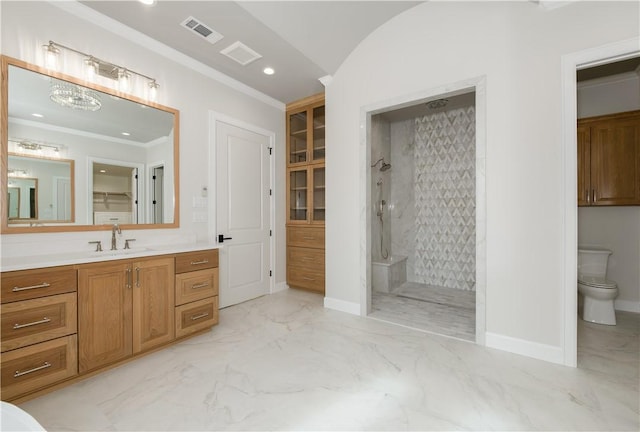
column 283, row 362
column 446, row 311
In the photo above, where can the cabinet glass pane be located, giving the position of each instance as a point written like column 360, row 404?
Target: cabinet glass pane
column 318, row 194
column 298, row 195
column 298, row 137
column 318, row 133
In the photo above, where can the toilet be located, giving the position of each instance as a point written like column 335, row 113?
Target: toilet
column 598, row 292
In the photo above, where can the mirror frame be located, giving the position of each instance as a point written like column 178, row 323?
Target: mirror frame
column 5, row 227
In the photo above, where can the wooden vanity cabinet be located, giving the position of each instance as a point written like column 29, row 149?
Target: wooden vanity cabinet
column 609, row 160
column 125, row 307
column 39, row 329
column 60, row 324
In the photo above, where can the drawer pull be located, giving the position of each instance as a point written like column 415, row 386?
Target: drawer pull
column 200, row 285
column 308, row 278
column 307, row 259
column 42, row 321
column 309, row 238
column 197, row 317
column 42, row 285
column 35, row 369
column 204, row 261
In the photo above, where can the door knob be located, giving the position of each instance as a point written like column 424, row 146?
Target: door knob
column 222, row 238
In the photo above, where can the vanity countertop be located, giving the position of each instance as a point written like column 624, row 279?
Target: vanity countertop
column 84, row 257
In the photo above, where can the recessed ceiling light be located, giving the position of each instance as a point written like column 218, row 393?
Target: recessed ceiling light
column 148, row 2
column 37, row 115
column 103, row 171
column 268, row 71
column 126, row 133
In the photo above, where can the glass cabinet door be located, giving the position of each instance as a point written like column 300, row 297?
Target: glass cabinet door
column 318, row 194
column 298, row 137
column 298, row 195
column 318, row 133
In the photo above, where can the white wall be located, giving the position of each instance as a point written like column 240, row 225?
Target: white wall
column 616, row 228
column 26, row 26
column 518, row 48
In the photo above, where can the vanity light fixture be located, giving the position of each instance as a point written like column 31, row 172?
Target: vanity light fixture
column 94, row 67
column 33, row 146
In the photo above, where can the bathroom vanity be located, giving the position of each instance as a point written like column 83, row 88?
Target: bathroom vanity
column 73, row 316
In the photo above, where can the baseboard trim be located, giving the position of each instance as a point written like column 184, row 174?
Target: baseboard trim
column 282, row 286
column 627, row 306
column 342, row 306
column 527, row 348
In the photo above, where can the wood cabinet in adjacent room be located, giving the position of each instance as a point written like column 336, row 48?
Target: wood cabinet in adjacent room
column 609, row 160
column 306, row 193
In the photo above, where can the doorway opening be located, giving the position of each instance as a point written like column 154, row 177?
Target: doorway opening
column 425, row 219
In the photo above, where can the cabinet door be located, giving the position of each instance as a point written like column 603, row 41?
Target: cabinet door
column 317, row 140
column 615, row 162
column 153, row 303
column 298, row 195
column 317, row 189
column 104, row 314
column 297, row 138
column 584, row 166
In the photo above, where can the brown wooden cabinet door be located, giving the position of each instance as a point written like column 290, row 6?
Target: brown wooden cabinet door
column 615, row 162
column 584, row 166
column 104, row 314
column 153, row 303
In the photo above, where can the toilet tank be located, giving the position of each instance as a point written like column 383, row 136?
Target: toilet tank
column 593, row 261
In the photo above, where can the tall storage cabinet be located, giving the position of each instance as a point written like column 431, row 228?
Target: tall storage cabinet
column 609, row 160
column 306, row 193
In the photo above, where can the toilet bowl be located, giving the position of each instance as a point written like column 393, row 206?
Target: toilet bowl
column 597, row 291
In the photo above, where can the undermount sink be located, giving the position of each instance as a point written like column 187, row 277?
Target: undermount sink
column 130, row 251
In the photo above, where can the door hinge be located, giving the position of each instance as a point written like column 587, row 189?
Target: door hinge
column 270, row 150
column 270, row 192
column 270, row 273
column 270, row 233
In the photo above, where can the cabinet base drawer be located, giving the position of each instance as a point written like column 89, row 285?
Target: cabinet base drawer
column 28, row 284
column 196, row 316
column 38, row 320
column 196, row 285
column 312, row 280
column 312, row 237
column 37, row 366
column 190, row 261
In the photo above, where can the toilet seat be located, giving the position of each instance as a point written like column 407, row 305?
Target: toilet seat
column 596, row 282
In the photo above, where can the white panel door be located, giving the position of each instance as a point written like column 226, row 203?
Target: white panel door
column 243, row 212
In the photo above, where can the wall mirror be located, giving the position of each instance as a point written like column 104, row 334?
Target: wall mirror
column 97, row 156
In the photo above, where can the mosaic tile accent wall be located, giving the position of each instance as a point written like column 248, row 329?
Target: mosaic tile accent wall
column 444, row 193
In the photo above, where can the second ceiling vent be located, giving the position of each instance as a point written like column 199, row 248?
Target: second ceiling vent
column 201, row 29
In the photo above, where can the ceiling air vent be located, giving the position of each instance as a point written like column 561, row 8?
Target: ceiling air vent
column 201, row 29
column 241, row 53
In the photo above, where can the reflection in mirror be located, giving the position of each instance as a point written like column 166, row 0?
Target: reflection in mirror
column 45, row 189
column 121, row 132
column 114, row 196
column 13, row 202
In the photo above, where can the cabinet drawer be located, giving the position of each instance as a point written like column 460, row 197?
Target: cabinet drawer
column 196, row 316
column 312, row 237
column 37, row 320
column 196, row 285
column 200, row 260
column 28, row 284
column 37, row 366
column 306, row 258
column 312, row 280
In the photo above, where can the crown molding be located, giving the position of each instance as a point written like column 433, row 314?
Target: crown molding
column 86, row 13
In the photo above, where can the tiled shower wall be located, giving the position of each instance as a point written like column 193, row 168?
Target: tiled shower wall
column 433, row 197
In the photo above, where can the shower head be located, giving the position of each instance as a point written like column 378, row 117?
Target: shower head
column 385, row 166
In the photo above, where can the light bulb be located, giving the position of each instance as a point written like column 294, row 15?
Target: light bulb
column 123, row 80
column 153, row 91
column 51, row 56
column 90, row 69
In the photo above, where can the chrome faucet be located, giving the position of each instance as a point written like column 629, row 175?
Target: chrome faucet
column 114, row 229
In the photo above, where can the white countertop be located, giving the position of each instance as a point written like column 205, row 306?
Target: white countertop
column 84, row 257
